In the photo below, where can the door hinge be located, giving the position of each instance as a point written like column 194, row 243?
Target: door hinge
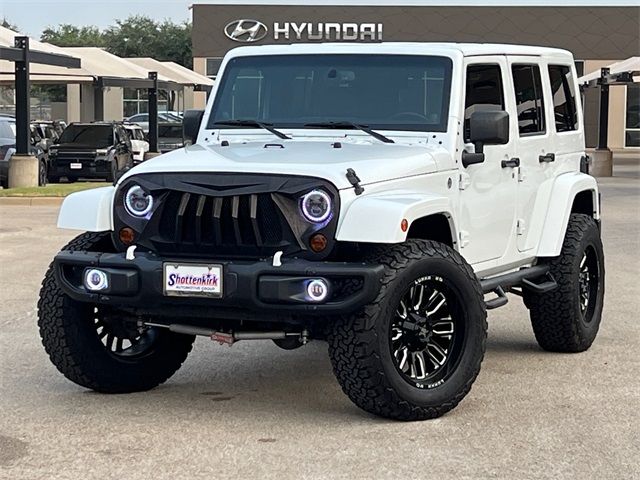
column 520, row 226
column 464, row 238
column 464, row 181
column 521, row 175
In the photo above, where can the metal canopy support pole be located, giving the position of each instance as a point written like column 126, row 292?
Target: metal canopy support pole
column 603, row 118
column 23, row 90
column 152, row 94
column 98, row 103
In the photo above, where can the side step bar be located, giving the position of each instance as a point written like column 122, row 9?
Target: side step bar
column 522, row 278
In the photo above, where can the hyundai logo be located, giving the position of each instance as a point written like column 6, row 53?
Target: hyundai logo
column 247, row 31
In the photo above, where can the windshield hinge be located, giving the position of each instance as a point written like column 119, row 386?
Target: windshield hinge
column 354, row 180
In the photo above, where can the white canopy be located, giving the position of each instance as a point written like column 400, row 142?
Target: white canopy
column 630, row 65
column 40, row 73
column 104, row 64
column 175, row 72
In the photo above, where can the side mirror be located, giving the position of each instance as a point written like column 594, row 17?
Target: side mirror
column 486, row 128
column 191, row 125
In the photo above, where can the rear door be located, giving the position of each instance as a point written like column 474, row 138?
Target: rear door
column 488, row 190
column 535, row 147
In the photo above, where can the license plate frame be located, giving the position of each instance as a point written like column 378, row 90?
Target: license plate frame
column 193, row 281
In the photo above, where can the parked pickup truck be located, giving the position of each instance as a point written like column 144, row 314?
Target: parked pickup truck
column 90, row 150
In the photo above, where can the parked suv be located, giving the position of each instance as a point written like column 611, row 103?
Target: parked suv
column 8, row 148
column 139, row 144
column 381, row 197
column 90, row 150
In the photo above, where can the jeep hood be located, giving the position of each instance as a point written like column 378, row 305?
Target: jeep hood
column 373, row 162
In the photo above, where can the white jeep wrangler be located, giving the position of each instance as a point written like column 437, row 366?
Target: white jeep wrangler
column 380, row 197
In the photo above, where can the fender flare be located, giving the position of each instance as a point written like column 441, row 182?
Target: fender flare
column 376, row 218
column 563, row 194
column 89, row 210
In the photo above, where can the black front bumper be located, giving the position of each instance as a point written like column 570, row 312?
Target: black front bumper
column 98, row 168
column 248, row 286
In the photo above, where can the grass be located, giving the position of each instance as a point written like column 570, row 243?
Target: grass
column 51, row 190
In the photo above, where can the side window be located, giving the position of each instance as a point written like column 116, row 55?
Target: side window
column 529, row 99
column 564, row 98
column 484, row 91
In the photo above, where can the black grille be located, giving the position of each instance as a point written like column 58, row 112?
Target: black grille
column 192, row 222
column 221, row 215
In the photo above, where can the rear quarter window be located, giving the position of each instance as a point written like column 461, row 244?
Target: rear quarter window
column 529, row 99
column 564, row 98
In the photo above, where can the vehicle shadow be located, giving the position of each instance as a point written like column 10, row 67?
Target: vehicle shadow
column 258, row 379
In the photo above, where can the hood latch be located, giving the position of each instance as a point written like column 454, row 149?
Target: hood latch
column 354, row 180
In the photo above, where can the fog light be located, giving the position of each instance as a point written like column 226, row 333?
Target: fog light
column 96, row 280
column 318, row 242
column 317, row 290
column 127, row 235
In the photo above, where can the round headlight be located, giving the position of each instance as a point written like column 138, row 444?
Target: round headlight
column 138, row 202
column 316, row 206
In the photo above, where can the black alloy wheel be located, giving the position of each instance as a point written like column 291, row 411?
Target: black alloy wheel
column 426, row 334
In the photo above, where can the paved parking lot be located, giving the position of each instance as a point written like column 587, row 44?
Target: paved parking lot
column 254, row 411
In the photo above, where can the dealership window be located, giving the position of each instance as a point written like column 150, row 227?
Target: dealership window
column 564, row 98
column 632, row 125
column 529, row 99
column 484, row 92
column 136, row 100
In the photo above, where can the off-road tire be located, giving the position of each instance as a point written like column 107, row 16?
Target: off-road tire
column 558, row 323
column 73, row 346
column 359, row 347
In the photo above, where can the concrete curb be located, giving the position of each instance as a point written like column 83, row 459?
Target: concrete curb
column 32, row 201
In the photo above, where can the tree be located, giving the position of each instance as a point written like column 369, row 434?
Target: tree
column 141, row 36
column 136, row 36
column 67, row 35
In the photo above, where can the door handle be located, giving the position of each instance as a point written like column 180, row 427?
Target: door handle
column 513, row 163
column 549, row 157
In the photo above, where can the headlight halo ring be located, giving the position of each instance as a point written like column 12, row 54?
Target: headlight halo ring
column 137, row 201
column 310, row 210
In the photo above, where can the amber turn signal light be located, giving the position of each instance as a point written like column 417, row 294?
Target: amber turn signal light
column 318, row 242
column 127, row 235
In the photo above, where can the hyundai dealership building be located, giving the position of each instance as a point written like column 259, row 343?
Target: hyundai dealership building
column 597, row 35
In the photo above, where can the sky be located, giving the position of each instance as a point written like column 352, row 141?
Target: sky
column 33, row 16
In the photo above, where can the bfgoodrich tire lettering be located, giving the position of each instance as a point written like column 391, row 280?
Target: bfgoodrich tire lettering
column 71, row 336
column 361, row 353
column 562, row 319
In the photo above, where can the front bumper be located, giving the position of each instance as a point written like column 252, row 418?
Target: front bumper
column 249, row 286
column 90, row 168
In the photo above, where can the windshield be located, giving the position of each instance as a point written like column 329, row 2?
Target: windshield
column 97, row 136
column 391, row 92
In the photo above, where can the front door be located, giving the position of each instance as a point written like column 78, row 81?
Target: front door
column 488, row 189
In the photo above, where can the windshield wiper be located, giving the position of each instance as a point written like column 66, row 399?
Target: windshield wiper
column 254, row 123
column 345, row 124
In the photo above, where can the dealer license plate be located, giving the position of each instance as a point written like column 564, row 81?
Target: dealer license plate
column 75, row 166
column 192, row 280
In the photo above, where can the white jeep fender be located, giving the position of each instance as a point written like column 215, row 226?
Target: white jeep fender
column 89, row 210
column 563, row 193
column 377, row 218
